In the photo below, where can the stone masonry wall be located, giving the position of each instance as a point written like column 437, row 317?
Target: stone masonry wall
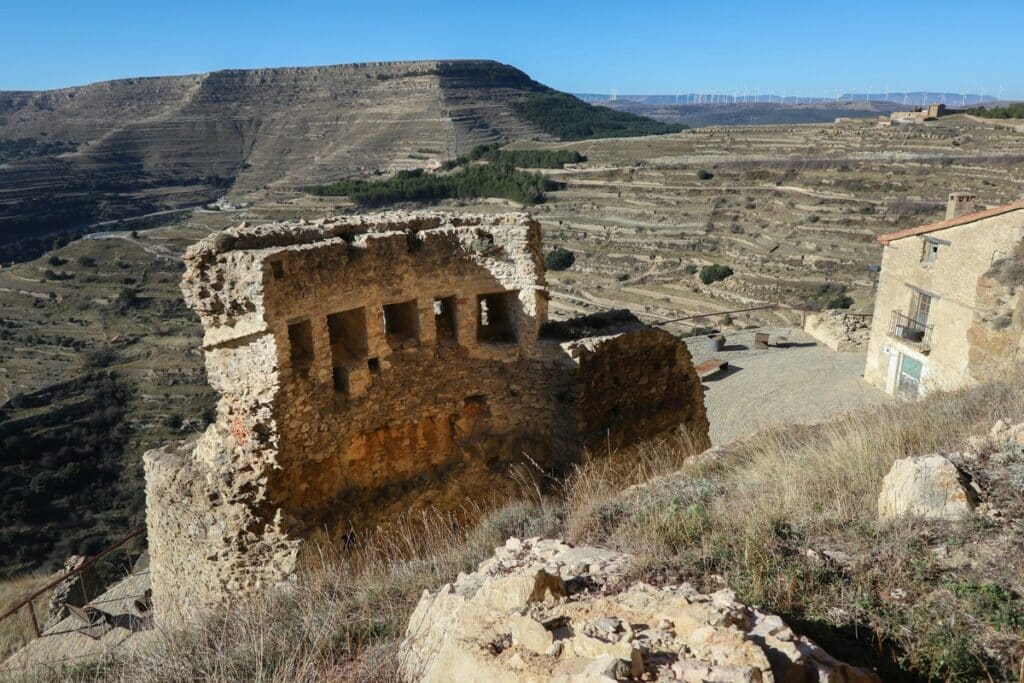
column 996, row 334
column 965, row 254
column 365, row 360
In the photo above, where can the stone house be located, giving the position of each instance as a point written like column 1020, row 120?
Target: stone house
column 938, row 304
column 373, row 366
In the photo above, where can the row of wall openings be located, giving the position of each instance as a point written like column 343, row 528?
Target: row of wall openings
column 496, row 317
column 496, row 323
column 402, row 324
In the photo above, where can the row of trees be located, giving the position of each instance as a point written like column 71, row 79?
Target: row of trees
column 520, row 158
column 570, row 118
column 489, row 180
column 1010, row 111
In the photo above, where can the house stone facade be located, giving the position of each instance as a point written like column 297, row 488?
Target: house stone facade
column 935, row 300
column 366, row 363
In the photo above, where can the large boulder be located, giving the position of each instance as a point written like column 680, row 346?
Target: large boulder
column 929, row 486
column 542, row 611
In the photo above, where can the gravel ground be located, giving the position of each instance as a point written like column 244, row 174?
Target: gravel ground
column 797, row 381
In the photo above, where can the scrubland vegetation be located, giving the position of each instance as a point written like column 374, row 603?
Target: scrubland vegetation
column 559, row 258
column 488, row 180
column 498, row 177
column 60, row 473
column 1011, row 111
column 519, row 158
column 570, row 118
column 714, row 273
column 786, row 518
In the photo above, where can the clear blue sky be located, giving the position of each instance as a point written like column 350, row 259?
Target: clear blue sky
column 634, row 47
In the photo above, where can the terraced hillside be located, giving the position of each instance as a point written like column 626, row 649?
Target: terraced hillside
column 134, row 146
column 792, row 209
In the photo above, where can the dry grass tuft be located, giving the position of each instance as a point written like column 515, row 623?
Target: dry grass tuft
column 786, row 518
column 768, row 515
column 17, row 630
column 344, row 618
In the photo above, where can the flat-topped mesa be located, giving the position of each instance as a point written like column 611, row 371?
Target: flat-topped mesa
column 358, row 360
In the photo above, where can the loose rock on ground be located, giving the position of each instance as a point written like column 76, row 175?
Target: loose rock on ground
column 543, row 610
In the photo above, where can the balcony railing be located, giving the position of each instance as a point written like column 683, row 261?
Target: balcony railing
column 910, row 330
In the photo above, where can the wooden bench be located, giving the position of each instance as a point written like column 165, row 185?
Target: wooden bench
column 711, row 367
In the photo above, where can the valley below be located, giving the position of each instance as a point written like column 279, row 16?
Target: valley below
column 792, row 210
column 714, row 230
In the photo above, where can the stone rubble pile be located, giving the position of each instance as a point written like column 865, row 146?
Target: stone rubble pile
column 838, row 330
column 543, row 610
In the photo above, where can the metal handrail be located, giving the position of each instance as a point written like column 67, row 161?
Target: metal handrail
column 711, row 315
column 78, row 570
column 900, row 325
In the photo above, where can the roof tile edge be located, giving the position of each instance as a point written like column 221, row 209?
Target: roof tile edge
column 952, row 222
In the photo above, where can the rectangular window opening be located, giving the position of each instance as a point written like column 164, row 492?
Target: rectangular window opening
column 300, row 340
column 931, row 252
column 340, row 376
column 446, row 324
column 402, row 324
column 496, row 317
column 373, row 365
column 277, row 268
column 920, row 307
column 347, row 331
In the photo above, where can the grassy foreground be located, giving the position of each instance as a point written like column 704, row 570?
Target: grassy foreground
column 786, row 518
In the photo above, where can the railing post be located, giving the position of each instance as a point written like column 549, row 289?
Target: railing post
column 32, row 613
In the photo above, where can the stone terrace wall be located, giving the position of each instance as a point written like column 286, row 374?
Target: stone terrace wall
column 363, row 360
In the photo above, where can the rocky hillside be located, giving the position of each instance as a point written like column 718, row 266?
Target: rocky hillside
column 141, row 145
column 890, row 538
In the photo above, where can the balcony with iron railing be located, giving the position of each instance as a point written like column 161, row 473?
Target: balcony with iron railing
column 910, row 331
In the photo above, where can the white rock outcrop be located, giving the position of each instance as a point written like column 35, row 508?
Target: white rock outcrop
column 929, row 486
column 541, row 610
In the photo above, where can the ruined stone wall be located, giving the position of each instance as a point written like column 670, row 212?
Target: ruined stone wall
column 638, row 382
column 362, row 361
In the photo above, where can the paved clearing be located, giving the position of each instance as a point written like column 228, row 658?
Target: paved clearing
column 800, row 383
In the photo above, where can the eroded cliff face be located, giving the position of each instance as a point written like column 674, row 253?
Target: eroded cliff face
column 382, row 363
